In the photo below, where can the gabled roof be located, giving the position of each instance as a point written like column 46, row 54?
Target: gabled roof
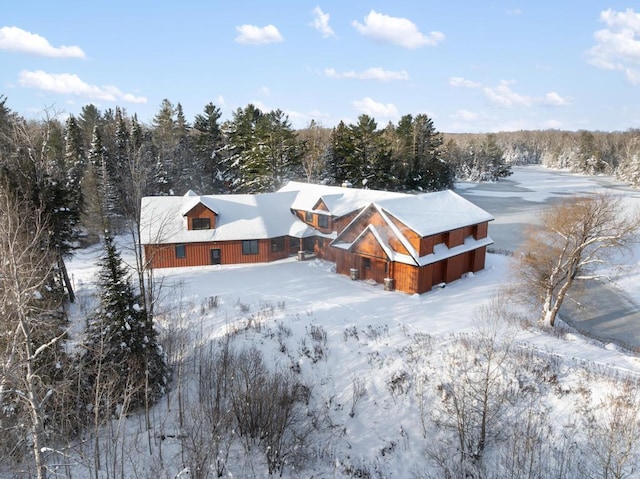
column 339, row 200
column 240, row 217
column 268, row 215
column 420, row 225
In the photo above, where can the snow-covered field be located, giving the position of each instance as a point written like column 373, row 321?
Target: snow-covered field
column 375, row 361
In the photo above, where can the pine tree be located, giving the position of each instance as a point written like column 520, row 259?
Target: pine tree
column 121, row 341
column 208, row 150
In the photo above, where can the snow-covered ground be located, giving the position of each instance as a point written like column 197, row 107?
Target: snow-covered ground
column 370, row 357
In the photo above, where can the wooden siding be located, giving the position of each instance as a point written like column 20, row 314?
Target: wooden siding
column 428, row 242
column 481, row 230
column 199, row 254
column 320, row 205
column 368, row 245
column 302, row 216
column 455, row 238
column 413, row 237
column 340, row 223
column 200, row 211
column 372, row 217
column 405, row 277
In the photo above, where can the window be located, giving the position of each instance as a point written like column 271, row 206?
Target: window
column 277, row 244
column 366, row 263
column 181, row 251
column 201, row 223
column 323, row 221
column 250, row 247
column 308, row 217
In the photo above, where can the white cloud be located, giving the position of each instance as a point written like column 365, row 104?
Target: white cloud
column 19, row 40
column 399, row 31
column 321, row 23
column 70, row 84
column 375, row 73
column 265, row 91
column 461, row 82
column 618, row 45
column 553, row 99
column 370, row 107
column 465, row 115
column 503, row 95
column 252, row 35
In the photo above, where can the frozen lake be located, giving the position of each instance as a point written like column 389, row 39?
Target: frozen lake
column 606, row 312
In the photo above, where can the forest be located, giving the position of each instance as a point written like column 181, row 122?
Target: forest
column 69, row 181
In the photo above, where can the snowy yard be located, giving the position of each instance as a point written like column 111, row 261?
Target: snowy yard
column 377, row 365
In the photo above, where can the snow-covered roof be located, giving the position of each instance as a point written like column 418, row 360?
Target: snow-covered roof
column 425, row 223
column 268, row 215
column 239, row 217
column 339, row 200
column 432, row 213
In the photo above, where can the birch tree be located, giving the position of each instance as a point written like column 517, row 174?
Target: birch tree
column 31, row 325
column 575, row 238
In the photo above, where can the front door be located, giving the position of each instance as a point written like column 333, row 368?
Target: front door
column 215, row 256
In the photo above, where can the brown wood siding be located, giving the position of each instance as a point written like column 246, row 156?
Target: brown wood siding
column 302, row 216
column 478, row 260
column 199, row 254
column 406, row 277
column 201, row 211
column 481, row 230
column 428, row 242
column 455, row 237
column 341, row 222
column 368, row 245
column 413, row 237
column 344, row 261
column 371, row 216
column 438, row 271
column 425, row 279
column 320, row 205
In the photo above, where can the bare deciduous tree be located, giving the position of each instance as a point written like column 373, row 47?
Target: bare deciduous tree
column 30, row 319
column 612, row 435
column 576, row 236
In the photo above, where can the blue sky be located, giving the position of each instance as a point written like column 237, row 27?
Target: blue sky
column 472, row 66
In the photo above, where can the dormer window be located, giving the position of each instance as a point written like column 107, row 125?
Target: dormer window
column 308, row 216
column 201, row 223
column 323, row 221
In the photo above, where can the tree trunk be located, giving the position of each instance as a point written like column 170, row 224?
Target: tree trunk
column 65, row 278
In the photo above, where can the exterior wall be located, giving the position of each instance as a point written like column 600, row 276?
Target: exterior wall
column 414, row 238
column 302, row 216
column 199, row 254
column 455, row 238
column 201, row 211
column 481, row 231
column 339, row 224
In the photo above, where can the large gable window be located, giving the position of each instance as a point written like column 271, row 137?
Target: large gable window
column 250, row 247
column 201, row 223
column 181, row 251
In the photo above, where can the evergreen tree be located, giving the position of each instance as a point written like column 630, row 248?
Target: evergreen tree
column 263, row 150
column 341, row 146
column 208, row 144
column 121, row 342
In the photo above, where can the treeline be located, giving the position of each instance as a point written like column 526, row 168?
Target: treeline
column 587, row 152
column 110, row 159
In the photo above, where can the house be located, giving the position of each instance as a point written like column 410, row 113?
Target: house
column 408, row 242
